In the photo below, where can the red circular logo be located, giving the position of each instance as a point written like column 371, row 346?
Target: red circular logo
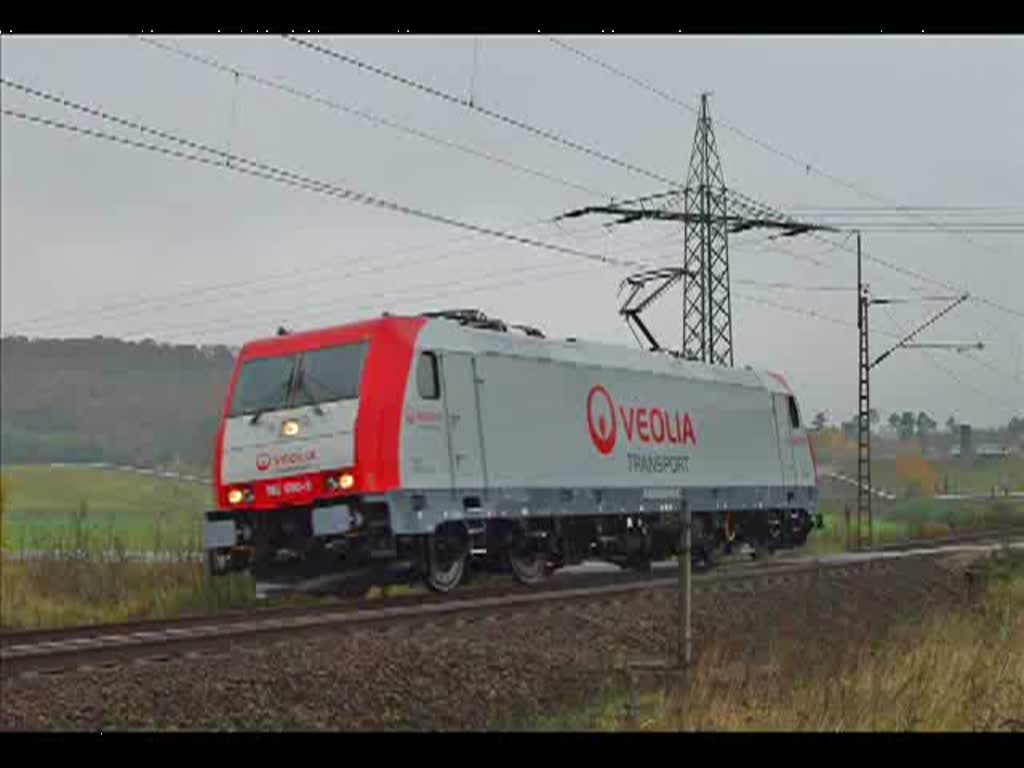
column 601, row 420
column 263, row 462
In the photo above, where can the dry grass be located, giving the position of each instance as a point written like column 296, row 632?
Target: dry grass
column 54, row 593
column 941, row 670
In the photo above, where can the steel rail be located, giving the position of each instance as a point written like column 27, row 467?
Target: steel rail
column 173, row 639
column 497, row 587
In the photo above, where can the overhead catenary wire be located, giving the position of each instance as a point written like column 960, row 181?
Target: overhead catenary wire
column 307, row 300
column 905, row 271
column 802, row 164
column 809, row 167
column 336, row 300
column 227, row 155
column 265, row 170
column 252, row 167
column 275, row 175
column 948, row 371
column 543, row 133
column 366, row 115
column 296, row 279
column 237, row 72
column 310, row 309
column 798, row 311
column 205, row 289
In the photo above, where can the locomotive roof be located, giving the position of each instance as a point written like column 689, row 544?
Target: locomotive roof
column 446, row 334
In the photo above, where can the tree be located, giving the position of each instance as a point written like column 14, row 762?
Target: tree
column 952, row 425
column 906, row 425
column 925, row 424
column 1016, row 426
column 894, row 421
column 874, row 416
column 820, row 420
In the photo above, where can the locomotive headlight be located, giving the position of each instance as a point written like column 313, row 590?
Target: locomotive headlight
column 346, row 481
column 290, row 428
column 332, row 483
column 235, row 496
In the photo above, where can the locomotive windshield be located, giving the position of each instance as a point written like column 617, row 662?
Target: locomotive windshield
column 290, row 381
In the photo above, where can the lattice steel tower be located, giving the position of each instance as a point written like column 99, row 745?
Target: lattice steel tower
column 707, row 315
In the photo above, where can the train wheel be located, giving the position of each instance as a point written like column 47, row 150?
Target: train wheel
column 528, row 562
column 446, row 557
column 529, row 568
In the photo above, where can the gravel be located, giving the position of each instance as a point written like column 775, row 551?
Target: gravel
column 488, row 673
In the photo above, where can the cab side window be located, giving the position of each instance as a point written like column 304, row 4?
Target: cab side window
column 794, row 414
column 427, row 382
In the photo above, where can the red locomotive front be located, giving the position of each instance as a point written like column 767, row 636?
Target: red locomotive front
column 310, row 427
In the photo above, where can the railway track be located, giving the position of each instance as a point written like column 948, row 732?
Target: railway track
column 477, row 588
column 62, row 650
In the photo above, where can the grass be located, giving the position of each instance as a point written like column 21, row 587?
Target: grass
column 904, row 475
column 49, row 593
column 55, row 508
column 958, row 669
column 905, row 519
column 91, row 512
column 96, row 510
column 88, row 509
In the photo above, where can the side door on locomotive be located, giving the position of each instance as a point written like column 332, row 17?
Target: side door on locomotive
column 443, row 436
column 786, row 423
column 461, row 399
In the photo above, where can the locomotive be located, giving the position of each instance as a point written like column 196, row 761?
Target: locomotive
column 439, row 443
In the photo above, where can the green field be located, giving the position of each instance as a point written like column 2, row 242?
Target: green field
column 915, row 513
column 107, row 510
column 99, row 509
column 910, row 519
column 978, row 476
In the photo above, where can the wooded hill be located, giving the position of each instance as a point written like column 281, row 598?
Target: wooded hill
column 104, row 399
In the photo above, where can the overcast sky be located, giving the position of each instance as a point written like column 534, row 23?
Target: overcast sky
column 99, row 238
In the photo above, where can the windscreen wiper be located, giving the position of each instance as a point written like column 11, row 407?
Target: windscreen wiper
column 304, row 387
column 260, row 411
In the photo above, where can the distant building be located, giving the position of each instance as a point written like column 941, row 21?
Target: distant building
column 993, row 451
column 966, row 442
column 988, row 451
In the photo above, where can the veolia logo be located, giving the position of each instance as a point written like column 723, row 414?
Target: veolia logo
column 601, row 419
column 646, row 424
column 263, row 462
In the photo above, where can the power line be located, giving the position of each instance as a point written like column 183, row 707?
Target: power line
column 204, row 289
column 366, row 115
column 794, row 286
column 901, row 209
column 282, row 176
column 800, row 311
column 263, row 81
column 334, row 300
column 309, row 185
column 332, row 303
column 245, row 290
column 1016, row 378
column 888, row 264
column 272, row 286
column 372, row 269
column 272, row 173
column 452, row 99
column 948, row 371
column 781, row 153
